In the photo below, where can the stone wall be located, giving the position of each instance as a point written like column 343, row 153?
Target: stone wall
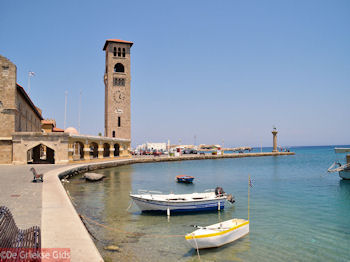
column 8, row 91
column 24, row 141
column 26, row 119
column 16, row 110
column 5, row 151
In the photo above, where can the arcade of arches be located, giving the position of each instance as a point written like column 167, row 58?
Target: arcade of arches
column 61, row 148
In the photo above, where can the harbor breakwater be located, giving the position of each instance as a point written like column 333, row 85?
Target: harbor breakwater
column 82, row 168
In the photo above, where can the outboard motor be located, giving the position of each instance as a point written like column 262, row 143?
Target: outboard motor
column 219, row 191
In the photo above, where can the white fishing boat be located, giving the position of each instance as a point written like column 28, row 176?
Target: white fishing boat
column 218, row 234
column 221, row 233
column 155, row 201
column 342, row 169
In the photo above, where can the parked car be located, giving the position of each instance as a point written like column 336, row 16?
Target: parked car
column 157, row 153
column 190, row 151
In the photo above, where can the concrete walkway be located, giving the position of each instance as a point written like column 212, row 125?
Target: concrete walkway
column 61, row 225
column 20, row 195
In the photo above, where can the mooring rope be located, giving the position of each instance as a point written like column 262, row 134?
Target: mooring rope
column 126, row 232
column 195, row 241
column 131, row 202
column 338, row 169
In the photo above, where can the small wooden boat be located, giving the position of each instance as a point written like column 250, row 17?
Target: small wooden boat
column 218, row 234
column 155, row 201
column 184, row 179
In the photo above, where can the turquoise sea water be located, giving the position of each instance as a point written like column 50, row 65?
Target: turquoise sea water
column 298, row 212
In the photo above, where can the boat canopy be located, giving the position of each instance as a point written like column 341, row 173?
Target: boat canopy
column 341, row 150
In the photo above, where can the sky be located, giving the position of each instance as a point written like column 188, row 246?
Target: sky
column 204, row 72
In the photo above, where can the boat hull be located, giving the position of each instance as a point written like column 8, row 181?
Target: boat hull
column 148, row 205
column 218, row 239
column 185, row 180
column 345, row 174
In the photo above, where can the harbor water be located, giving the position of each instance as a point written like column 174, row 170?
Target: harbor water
column 298, row 212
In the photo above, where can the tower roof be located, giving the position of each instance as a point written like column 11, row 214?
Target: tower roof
column 116, row 41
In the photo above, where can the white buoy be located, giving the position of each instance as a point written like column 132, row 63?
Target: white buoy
column 168, row 212
column 219, row 205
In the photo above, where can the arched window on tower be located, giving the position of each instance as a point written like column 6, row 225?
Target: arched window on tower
column 115, row 51
column 113, row 133
column 123, row 52
column 119, row 51
column 119, row 68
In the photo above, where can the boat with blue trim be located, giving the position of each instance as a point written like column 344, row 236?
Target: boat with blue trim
column 155, row 201
column 184, row 179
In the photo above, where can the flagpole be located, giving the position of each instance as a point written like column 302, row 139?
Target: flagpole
column 79, row 110
column 65, row 109
column 248, row 194
column 28, row 83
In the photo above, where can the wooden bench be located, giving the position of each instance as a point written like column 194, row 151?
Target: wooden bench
column 11, row 237
column 37, row 176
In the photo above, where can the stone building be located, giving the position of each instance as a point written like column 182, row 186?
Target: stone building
column 25, row 137
column 17, row 111
column 49, row 126
column 117, row 89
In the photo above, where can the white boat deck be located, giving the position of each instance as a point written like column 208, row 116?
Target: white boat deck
column 218, row 234
column 219, row 227
column 179, row 197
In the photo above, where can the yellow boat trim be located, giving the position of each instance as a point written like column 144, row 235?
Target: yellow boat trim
column 190, row 236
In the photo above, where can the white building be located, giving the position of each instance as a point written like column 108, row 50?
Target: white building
column 152, row 146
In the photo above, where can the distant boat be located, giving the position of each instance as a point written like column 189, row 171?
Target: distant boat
column 155, row 201
column 219, row 234
column 343, row 170
column 184, row 179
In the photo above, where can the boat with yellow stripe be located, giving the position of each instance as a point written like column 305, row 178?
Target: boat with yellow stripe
column 218, row 234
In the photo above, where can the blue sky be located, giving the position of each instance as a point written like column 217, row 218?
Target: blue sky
column 220, row 70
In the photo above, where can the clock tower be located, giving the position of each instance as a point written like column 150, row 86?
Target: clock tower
column 117, row 89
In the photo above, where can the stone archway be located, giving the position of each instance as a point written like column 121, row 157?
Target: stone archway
column 116, row 149
column 78, row 150
column 93, row 150
column 106, row 150
column 41, row 154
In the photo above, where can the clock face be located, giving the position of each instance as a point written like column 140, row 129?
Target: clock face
column 118, row 96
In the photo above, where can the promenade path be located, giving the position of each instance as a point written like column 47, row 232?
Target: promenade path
column 20, row 195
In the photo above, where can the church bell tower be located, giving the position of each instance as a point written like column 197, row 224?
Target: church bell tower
column 117, row 89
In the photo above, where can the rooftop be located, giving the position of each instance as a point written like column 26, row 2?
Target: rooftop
column 30, row 102
column 116, row 41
